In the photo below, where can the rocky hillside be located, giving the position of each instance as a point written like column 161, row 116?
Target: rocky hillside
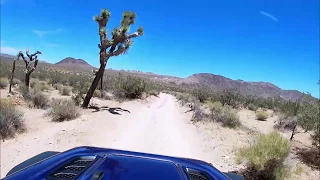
column 262, row 89
column 72, row 62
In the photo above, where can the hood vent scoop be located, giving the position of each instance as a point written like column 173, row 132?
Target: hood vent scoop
column 195, row 175
column 72, row 168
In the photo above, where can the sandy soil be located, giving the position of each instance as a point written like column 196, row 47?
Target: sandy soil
column 156, row 125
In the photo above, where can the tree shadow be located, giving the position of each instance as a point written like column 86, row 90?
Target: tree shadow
column 114, row 110
column 310, row 156
column 188, row 111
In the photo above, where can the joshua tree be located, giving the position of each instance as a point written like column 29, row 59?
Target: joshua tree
column 29, row 68
column 94, row 71
column 119, row 43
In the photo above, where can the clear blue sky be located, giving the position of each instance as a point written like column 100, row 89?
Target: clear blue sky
column 261, row 40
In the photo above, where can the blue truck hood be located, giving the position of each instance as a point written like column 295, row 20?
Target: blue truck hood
column 112, row 164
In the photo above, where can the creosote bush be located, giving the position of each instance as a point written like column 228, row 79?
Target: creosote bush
column 265, row 157
column 34, row 83
column 223, row 114
column 57, row 86
column 252, row 107
column 11, row 120
column 39, row 100
column 63, row 110
column 154, row 93
column 65, row 91
column 4, row 83
column 25, row 92
column 262, row 115
column 97, row 93
column 15, row 81
column 130, row 87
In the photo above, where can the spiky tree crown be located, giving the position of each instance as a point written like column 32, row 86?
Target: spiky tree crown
column 121, row 40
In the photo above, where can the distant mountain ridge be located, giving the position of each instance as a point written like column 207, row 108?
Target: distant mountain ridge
column 70, row 61
column 261, row 89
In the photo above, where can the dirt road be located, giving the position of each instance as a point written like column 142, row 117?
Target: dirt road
column 158, row 126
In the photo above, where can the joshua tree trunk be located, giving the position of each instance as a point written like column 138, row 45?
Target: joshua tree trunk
column 99, row 75
column 27, row 80
column 12, row 74
column 101, row 82
column 293, row 131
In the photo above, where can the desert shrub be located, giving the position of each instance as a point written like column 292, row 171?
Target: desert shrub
column 309, row 119
column 11, row 120
column 34, row 83
column 266, row 156
column 202, row 94
column 285, row 123
column 252, row 107
column 261, row 115
column 185, row 98
column 154, row 93
column 97, row 93
column 198, row 113
column 214, row 108
column 44, row 86
column 15, row 81
column 25, row 92
column 39, row 100
column 290, row 108
column 79, row 92
column 104, row 95
column 65, row 91
column 63, row 109
column 57, row 86
column 129, row 87
column 4, row 83
column 223, row 114
column 229, row 97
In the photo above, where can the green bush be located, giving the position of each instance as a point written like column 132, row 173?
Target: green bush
column 4, row 83
column 198, row 113
column 34, row 83
column 11, row 120
column 79, row 92
column 202, row 94
column 58, row 86
column 252, row 107
column 309, row 119
column 39, row 100
column 223, row 114
column 185, row 98
column 15, row 81
column 262, row 115
column 97, row 93
column 130, row 87
column 265, row 158
column 153, row 93
column 63, row 109
column 65, row 91
column 230, row 97
column 44, row 86
column 25, row 92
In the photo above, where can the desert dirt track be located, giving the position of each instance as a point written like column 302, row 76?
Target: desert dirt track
column 157, row 125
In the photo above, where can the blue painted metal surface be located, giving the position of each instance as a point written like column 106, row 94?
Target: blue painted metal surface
column 121, row 165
